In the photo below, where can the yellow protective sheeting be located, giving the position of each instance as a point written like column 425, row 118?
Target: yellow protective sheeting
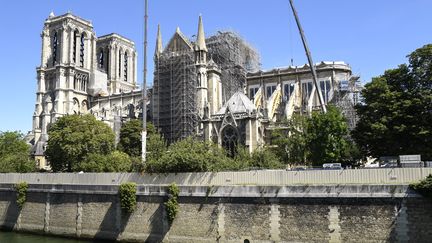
column 258, row 98
column 274, row 102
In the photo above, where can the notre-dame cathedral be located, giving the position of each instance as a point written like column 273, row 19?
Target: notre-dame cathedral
column 211, row 88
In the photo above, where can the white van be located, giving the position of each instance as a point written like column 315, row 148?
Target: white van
column 332, row 166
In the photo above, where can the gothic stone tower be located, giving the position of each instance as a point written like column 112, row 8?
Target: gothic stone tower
column 68, row 47
column 77, row 67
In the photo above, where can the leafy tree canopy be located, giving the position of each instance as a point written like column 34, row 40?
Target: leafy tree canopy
column 396, row 113
column 116, row 161
column 321, row 138
column 326, row 136
column 290, row 143
column 190, row 155
column 130, row 140
column 14, row 153
column 73, row 137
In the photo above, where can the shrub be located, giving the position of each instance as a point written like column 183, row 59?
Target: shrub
column 189, row 155
column 172, row 205
column 21, row 189
column 116, row 161
column 14, row 153
column 424, row 187
column 127, row 193
column 265, row 159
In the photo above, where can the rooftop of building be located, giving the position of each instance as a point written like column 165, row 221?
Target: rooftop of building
column 340, row 65
column 115, row 35
column 239, row 103
column 52, row 18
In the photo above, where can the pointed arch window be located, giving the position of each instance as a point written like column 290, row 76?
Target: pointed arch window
column 125, row 67
column 101, row 59
column 54, row 48
column 74, row 53
column 82, row 51
column 107, row 57
column 119, row 64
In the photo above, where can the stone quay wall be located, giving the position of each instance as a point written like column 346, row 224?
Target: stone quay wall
column 222, row 213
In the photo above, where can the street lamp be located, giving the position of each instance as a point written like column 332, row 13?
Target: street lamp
column 144, row 90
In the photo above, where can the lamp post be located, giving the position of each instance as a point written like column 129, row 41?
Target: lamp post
column 144, row 90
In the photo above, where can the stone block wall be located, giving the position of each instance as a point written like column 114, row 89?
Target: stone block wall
column 220, row 219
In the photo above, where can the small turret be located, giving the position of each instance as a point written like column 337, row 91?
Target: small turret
column 200, row 42
column 201, row 65
column 159, row 47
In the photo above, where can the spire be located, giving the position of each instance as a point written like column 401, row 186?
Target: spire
column 159, row 47
column 200, row 42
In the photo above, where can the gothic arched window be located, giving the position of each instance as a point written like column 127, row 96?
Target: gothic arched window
column 107, row 57
column 125, row 66
column 230, row 140
column 75, row 36
column 82, row 51
column 101, row 58
column 119, row 64
column 54, row 49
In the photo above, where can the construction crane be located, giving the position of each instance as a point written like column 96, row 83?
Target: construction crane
column 309, row 57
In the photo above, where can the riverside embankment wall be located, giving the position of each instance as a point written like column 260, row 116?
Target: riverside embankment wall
column 87, row 206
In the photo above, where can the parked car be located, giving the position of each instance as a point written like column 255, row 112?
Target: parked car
column 332, row 166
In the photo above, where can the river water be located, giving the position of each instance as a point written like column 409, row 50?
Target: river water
column 12, row 237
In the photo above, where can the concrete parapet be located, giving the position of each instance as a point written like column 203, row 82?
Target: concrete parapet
column 396, row 176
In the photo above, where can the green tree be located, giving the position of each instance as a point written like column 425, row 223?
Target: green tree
column 73, row 137
column 130, row 140
column 321, row 138
column 14, row 153
column 397, row 109
column 116, row 161
column 290, row 143
column 190, row 155
column 326, row 137
column 265, row 159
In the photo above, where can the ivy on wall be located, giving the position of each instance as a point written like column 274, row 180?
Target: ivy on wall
column 127, row 192
column 172, row 205
column 21, row 189
column 424, row 187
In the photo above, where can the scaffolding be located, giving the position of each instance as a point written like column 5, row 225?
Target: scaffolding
column 346, row 97
column 235, row 57
column 174, row 95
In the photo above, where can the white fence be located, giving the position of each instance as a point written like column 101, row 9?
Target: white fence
column 260, row 177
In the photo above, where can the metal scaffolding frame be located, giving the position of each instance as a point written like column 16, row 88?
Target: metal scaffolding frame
column 346, row 99
column 235, row 57
column 175, row 94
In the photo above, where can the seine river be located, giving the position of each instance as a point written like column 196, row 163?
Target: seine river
column 11, row 237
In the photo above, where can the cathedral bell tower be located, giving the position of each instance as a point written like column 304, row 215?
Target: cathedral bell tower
column 201, row 67
column 67, row 60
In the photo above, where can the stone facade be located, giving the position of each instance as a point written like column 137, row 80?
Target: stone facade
column 81, row 73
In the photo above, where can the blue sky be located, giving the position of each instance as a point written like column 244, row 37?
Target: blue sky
column 370, row 35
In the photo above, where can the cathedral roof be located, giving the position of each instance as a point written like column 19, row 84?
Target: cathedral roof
column 178, row 42
column 238, row 103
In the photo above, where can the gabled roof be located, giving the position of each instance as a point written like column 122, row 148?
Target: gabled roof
column 238, row 103
column 178, row 35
